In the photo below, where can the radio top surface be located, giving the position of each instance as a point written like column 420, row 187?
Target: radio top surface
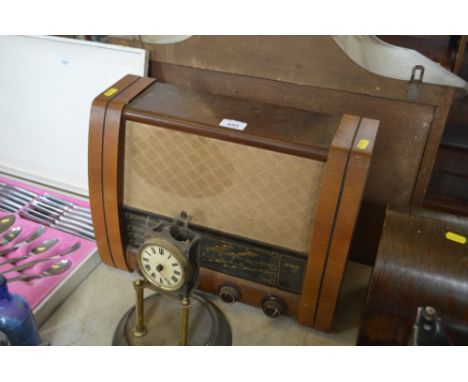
column 289, row 130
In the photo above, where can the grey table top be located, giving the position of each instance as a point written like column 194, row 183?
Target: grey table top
column 91, row 313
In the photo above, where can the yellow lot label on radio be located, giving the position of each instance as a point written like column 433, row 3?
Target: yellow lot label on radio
column 40, row 248
column 363, row 143
column 455, row 237
column 5, row 220
column 110, row 91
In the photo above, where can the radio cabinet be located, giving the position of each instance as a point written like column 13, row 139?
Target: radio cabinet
column 275, row 200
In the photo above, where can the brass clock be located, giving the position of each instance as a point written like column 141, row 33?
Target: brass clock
column 169, row 261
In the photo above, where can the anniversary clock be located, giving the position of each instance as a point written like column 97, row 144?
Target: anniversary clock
column 168, row 260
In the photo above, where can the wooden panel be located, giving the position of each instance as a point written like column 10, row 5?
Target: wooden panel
column 431, row 147
column 95, row 152
column 327, row 209
column 451, row 206
column 450, row 186
column 460, row 55
column 305, row 60
column 284, row 129
column 112, row 167
column 348, row 209
column 416, row 266
column 105, row 166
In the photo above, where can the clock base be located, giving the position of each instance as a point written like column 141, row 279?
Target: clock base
column 207, row 324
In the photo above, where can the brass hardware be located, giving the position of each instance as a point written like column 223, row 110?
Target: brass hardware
column 184, row 321
column 140, row 328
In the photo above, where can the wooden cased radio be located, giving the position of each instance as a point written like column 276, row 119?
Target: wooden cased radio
column 273, row 191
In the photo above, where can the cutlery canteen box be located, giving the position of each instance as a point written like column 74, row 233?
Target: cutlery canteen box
column 273, row 191
column 48, row 84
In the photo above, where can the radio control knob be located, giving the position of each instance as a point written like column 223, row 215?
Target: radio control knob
column 273, row 306
column 229, row 294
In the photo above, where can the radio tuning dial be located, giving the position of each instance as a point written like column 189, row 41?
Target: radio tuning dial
column 229, row 294
column 273, row 306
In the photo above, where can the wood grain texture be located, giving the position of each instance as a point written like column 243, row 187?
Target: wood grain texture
column 348, row 209
column 305, row 60
column 103, row 197
column 416, row 266
column 460, row 55
column 328, row 202
column 289, row 130
column 112, row 167
column 95, row 151
column 444, row 204
column 431, row 148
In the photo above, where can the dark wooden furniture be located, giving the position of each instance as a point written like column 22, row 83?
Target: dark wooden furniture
column 422, row 261
column 448, row 187
column 276, row 203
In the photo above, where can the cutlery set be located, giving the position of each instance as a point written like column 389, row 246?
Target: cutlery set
column 48, row 210
column 8, row 237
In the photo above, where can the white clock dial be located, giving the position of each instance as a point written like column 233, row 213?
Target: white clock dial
column 162, row 267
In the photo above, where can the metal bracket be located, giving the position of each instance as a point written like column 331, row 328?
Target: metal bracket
column 415, row 82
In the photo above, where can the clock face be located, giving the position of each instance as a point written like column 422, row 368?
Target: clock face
column 162, row 267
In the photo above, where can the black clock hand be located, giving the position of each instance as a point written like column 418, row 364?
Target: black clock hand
column 159, row 268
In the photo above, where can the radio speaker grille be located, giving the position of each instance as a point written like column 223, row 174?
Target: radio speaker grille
column 246, row 191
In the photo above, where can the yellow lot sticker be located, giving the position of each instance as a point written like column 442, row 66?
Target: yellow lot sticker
column 455, row 237
column 6, row 220
column 110, row 91
column 363, row 143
